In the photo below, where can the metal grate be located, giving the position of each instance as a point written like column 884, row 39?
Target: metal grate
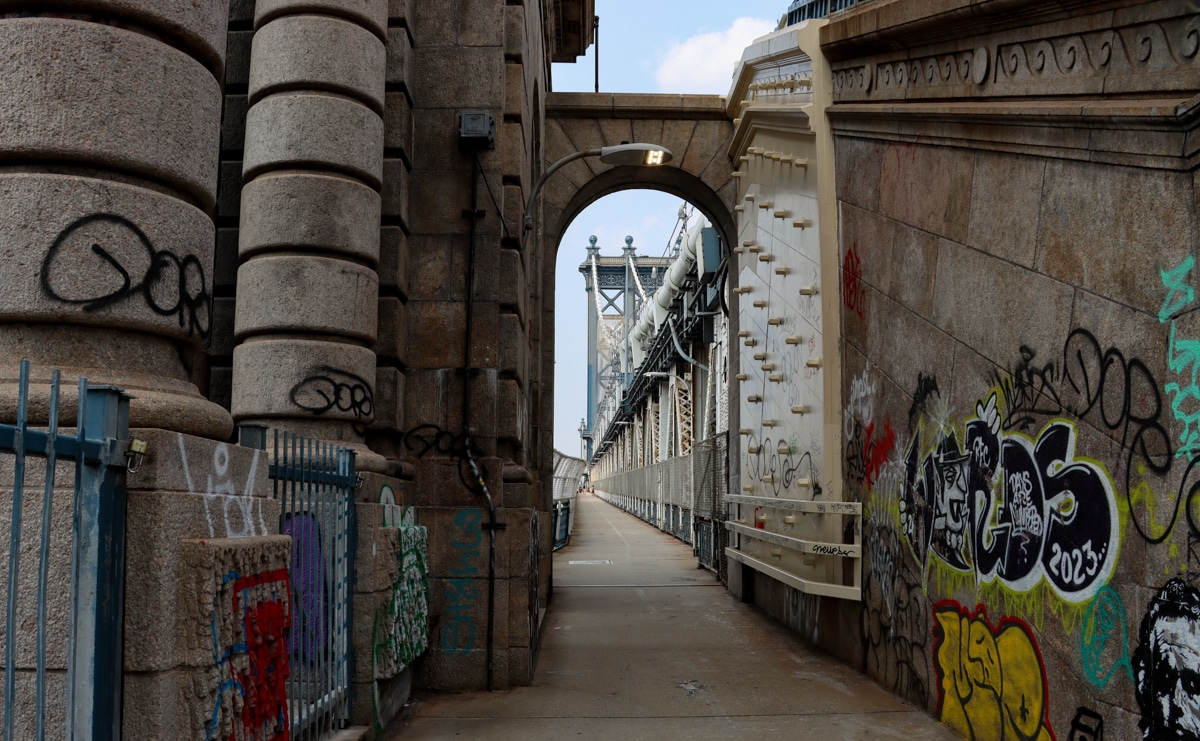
column 711, row 473
column 96, row 553
column 314, row 483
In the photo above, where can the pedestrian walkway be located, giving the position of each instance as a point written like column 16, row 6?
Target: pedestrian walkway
column 640, row 644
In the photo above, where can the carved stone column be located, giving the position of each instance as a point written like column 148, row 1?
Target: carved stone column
column 110, row 117
column 307, row 289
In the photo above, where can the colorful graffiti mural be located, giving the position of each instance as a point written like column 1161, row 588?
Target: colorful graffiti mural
column 402, row 626
column 1011, row 508
column 1006, row 505
column 991, row 680
column 251, row 618
column 1166, row 664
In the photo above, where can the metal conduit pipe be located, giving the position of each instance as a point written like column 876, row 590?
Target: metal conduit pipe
column 657, row 311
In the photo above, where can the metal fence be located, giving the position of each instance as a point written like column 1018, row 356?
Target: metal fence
column 314, row 483
column 86, row 672
column 710, row 476
column 660, row 494
column 561, row 520
column 568, row 477
column 684, row 496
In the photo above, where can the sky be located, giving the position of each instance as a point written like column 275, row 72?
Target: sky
column 647, row 46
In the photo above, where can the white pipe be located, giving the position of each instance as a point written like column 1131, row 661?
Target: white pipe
column 657, row 311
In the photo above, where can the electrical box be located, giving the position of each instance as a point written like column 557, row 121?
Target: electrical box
column 477, row 129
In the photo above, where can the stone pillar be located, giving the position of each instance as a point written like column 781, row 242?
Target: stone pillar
column 109, row 127
column 307, row 287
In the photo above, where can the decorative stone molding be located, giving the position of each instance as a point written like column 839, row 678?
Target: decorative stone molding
column 1150, row 57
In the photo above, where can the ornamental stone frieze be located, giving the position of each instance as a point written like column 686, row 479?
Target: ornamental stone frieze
column 1090, row 55
column 1115, row 83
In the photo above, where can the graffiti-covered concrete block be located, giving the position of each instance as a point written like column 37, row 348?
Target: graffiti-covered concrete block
column 238, row 597
column 401, row 627
column 376, row 562
column 157, row 523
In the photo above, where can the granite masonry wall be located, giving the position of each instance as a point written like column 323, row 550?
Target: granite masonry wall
column 1018, row 194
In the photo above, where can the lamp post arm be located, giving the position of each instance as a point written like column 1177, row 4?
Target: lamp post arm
column 537, row 187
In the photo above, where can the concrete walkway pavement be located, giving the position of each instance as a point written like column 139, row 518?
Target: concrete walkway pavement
column 639, row 643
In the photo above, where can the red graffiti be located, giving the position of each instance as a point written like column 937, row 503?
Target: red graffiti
column 877, row 450
column 853, row 290
column 263, row 682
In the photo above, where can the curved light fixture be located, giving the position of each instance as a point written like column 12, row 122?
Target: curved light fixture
column 637, row 154
column 648, row 155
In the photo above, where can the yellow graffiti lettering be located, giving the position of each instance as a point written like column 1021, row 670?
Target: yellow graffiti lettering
column 993, row 682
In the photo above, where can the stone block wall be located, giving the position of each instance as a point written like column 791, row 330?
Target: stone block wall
column 1018, row 240
column 199, row 511
column 438, row 59
column 391, row 600
column 107, row 234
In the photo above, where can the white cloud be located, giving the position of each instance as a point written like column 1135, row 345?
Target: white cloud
column 705, row 62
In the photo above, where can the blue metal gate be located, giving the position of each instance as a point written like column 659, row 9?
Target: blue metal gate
column 97, row 451
column 314, row 483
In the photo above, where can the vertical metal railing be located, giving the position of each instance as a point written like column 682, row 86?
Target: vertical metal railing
column 314, row 483
column 97, row 563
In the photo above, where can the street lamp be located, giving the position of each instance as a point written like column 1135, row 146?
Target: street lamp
column 638, row 154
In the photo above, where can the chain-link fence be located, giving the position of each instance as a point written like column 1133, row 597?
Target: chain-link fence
column 710, row 474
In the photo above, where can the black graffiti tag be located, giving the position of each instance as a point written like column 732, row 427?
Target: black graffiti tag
column 92, row 263
column 780, row 463
column 327, row 389
column 427, row 439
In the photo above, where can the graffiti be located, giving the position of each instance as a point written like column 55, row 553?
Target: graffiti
column 427, row 439
column 1193, row 557
column 927, row 388
column 853, row 289
column 92, row 263
column 1028, row 391
column 896, row 620
column 1179, row 294
column 331, row 389
column 242, row 514
column 402, row 626
column 1166, row 664
column 535, row 552
column 1183, row 359
column 1118, row 395
column 1010, row 508
column 862, row 397
column 823, row 549
column 991, row 680
column 250, row 620
column 1087, row 726
column 877, row 450
column 802, row 613
column 867, row 445
column 394, row 514
column 856, row 465
column 777, row 464
column 1104, row 641
column 309, row 637
column 458, row 632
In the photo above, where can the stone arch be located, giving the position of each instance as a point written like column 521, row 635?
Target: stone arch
column 668, row 180
column 697, row 130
